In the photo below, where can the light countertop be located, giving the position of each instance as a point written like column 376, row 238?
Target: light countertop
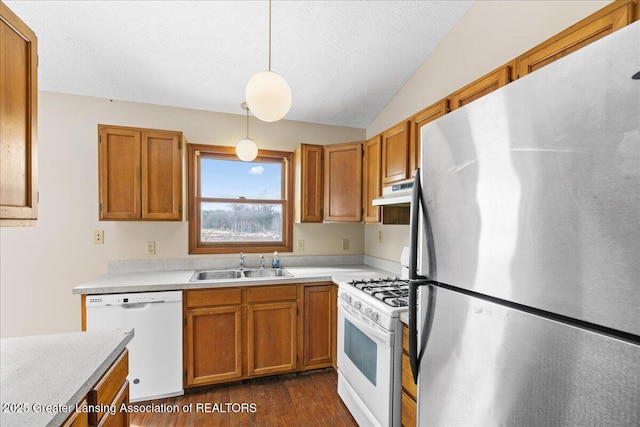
column 44, row 377
column 150, row 281
column 404, row 317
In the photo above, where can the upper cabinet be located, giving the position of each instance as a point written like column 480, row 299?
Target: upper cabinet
column 605, row 21
column 18, row 121
column 343, row 182
column 480, row 87
column 309, row 183
column 425, row 116
column 140, row 174
column 395, row 153
column 371, row 167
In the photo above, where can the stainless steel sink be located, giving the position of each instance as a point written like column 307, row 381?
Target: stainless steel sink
column 267, row 272
column 239, row 274
column 216, row 275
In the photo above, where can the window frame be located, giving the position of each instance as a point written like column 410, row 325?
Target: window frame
column 197, row 151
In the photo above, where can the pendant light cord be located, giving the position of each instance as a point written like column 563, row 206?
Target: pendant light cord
column 247, row 122
column 269, row 35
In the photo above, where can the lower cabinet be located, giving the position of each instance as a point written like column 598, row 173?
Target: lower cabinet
column 271, row 329
column 111, row 391
column 318, row 326
column 237, row 333
column 409, row 389
column 212, row 336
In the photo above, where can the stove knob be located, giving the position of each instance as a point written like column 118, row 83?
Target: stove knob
column 357, row 305
column 347, row 298
column 374, row 316
column 367, row 312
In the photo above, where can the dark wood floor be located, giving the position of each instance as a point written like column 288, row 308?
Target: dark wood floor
column 304, row 400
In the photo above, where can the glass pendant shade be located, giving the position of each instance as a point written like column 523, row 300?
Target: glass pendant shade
column 268, row 96
column 246, row 149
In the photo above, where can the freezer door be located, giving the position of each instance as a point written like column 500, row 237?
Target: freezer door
column 533, row 191
column 489, row 365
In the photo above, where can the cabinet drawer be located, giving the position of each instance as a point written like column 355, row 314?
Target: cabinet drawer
column 106, row 390
column 213, row 297
column 119, row 418
column 78, row 419
column 407, row 378
column 272, row 293
column 409, row 412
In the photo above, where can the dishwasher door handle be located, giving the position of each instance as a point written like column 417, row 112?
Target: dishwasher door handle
column 136, row 306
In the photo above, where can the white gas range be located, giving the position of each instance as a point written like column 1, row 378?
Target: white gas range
column 370, row 348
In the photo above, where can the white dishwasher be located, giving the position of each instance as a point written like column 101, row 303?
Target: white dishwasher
column 155, row 352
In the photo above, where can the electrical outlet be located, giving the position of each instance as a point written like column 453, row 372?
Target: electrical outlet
column 380, row 236
column 151, row 248
column 98, row 237
column 301, row 245
column 345, row 244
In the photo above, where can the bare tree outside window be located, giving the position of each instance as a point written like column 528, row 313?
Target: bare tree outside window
column 239, row 206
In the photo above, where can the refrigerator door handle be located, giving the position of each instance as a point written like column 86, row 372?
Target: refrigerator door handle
column 418, row 204
column 415, row 353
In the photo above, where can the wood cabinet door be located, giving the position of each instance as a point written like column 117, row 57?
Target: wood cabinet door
column 372, row 181
column 161, row 175
column 309, row 183
column 409, row 411
column 479, row 88
column 271, row 337
column 119, row 171
column 343, row 182
column 212, row 345
column 18, row 121
column 599, row 24
column 409, row 388
column 319, row 308
column 425, row 116
column 395, row 153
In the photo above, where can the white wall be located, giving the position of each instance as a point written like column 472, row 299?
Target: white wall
column 488, row 36
column 40, row 265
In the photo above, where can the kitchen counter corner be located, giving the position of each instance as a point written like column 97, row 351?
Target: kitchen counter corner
column 44, row 377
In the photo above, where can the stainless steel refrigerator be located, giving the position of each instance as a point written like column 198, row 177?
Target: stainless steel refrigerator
column 525, row 235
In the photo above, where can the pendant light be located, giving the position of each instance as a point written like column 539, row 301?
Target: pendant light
column 246, row 149
column 267, row 93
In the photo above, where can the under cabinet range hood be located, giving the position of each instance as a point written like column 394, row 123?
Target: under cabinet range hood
column 396, row 194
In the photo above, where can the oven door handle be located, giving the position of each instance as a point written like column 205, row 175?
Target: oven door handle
column 384, row 337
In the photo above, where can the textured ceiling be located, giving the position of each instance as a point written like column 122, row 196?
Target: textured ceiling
column 344, row 60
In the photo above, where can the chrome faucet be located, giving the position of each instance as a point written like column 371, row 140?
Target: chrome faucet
column 241, row 261
column 262, row 261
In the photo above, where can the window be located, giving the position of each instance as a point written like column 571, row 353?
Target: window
column 237, row 206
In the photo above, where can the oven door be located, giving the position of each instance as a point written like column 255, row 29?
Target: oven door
column 365, row 368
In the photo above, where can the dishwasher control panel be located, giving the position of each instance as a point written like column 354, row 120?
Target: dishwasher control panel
column 132, row 298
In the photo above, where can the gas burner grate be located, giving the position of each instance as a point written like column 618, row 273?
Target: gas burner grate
column 392, row 291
